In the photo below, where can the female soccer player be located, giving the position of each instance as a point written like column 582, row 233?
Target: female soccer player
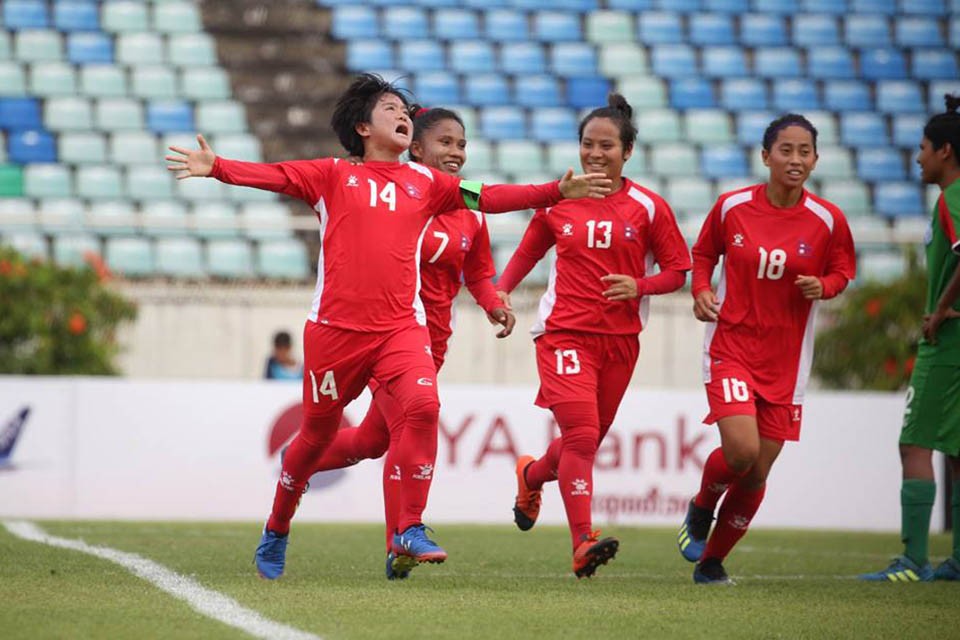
column 587, row 330
column 932, row 417
column 367, row 319
column 455, row 247
column 784, row 249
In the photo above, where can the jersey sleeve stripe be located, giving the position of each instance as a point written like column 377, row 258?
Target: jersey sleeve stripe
column 421, row 169
column 946, row 222
column 733, row 201
column 645, row 200
column 821, row 211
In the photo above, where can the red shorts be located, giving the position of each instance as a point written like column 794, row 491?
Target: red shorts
column 572, row 364
column 732, row 392
column 338, row 363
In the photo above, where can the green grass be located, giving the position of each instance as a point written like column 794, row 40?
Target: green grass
column 498, row 584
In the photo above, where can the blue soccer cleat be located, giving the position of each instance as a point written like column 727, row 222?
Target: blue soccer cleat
column 398, row 567
column 692, row 537
column 414, row 543
column 902, row 569
column 949, row 569
column 271, row 555
column 711, row 571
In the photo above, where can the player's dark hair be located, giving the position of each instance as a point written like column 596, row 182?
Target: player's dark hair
column 425, row 119
column 619, row 111
column 781, row 123
column 356, row 105
column 944, row 128
column 281, row 339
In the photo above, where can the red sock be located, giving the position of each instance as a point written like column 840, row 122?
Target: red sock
column 736, row 512
column 416, row 455
column 717, row 476
column 580, row 429
column 369, row 440
column 391, row 496
column 545, row 468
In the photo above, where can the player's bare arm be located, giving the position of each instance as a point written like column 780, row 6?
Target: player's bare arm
column 621, row 287
column 705, row 306
column 944, row 310
column 192, row 163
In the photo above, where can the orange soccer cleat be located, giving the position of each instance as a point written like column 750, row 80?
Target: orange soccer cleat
column 526, row 508
column 593, row 552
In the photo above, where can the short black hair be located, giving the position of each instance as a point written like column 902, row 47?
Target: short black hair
column 356, row 105
column 621, row 113
column 781, row 123
column 425, row 119
column 944, row 128
column 281, row 339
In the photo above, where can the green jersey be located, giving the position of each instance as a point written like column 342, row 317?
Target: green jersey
column 943, row 255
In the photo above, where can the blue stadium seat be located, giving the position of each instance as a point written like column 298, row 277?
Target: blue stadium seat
column 76, row 15
column 472, row 56
column 723, row 162
column 556, row 26
column 485, row 4
column 847, row 95
column 553, row 125
column 229, row 258
column 31, row 145
column 522, row 58
column 711, row 29
column 786, row 7
column 934, row 64
column 724, row 62
column 632, row 5
column 751, row 126
column 179, row 257
column 899, row 96
column 402, row 23
column 282, row 259
column 90, row 47
column 908, row 129
column 538, row 91
column 777, row 62
column 924, row 7
column 569, row 59
column 503, row 123
column 352, row 22
column 164, row 117
column 936, row 91
column 883, row 64
column 25, row 14
column 898, row 199
column 369, row 54
column 917, row 31
column 830, row 63
column 954, row 29
column 587, row 93
column 762, row 30
column 836, row 7
column 876, row 165
column 659, row 28
column 867, row 30
column 487, row 90
column 863, row 130
column 741, row 94
column 19, row 113
column 813, row 30
column 437, row 3
column 795, row 95
column 506, row 25
column 691, row 93
column 437, row 88
column 674, row 61
column 738, row 7
column 683, row 6
column 455, row 24
column 886, row 7
column 421, row 55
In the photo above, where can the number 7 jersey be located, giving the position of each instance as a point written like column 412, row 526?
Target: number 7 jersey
column 765, row 324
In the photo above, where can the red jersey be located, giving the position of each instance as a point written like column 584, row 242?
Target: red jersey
column 765, row 323
column 624, row 233
column 456, row 243
column 373, row 218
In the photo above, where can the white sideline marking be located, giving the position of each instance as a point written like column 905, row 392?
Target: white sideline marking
column 207, row 601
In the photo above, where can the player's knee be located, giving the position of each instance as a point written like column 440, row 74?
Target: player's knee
column 423, row 411
column 581, row 441
column 741, row 457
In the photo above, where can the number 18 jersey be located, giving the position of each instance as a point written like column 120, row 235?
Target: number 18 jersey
column 765, row 323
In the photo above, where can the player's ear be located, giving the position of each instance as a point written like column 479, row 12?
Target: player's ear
column 363, row 129
column 765, row 156
column 416, row 149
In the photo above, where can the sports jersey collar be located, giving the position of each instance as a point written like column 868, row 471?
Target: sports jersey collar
column 800, row 206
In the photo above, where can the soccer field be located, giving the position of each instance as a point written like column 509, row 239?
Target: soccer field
column 498, row 583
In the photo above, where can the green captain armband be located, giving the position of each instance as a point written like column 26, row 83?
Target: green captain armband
column 470, row 191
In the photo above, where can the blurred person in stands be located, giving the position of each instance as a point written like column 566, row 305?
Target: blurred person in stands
column 281, row 365
column 784, row 249
column 590, row 318
column 931, row 420
column 367, row 319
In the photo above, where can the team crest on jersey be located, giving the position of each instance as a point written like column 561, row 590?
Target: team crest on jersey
column 464, row 242
column 629, row 232
column 352, row 181
column 412, row 190
column 738, row 239
column 567, row 229
column 803, row 249
column 796, row 414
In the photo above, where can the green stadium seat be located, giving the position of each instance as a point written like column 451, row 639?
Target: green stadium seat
column 38, row 45
column 17, row 212
column 13, row 81
column 609, row 26
column 140, row 48
column 71, row 249
column 690, row 196
column 120, row 16
column 5, row 50
column 103, row 81
column 3, row 148
column 99, row 181
column 229, row 258
column 708, row 126
column 834, row 162
column 265, row 220
column 164, row 218
column 725, row 185
column 192, row 50
column 623, row 60
column 674, row 160
column 519, row 156
column 200, row 189
column 215, row 220
column 643, row 92
column 61, row 214
column 246, row 194
column 154, row 82
column 826, row 124
column 67, row 114
column 657, row 125
column 881, row 266
column 237, row 146
column 179, row 257
column 562, row 156
column 52, row 79
column 757, row 168
column 149, row 182
column 118, row 114
column 205, row 83
column 223, row 116
column 479, row 157
column 130, row 256
column 176, row 17
column 469, row 117
column 46, row 181
column 636, row 164
column 75, row 147
column 282, row 259
column 11, row 181
column 852, row 196
column 112, row 217
column 134, row 147
column 29, row 244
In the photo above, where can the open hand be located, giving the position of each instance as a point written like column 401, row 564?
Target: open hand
column 622, row 287
column 191, row 163
column 586, row 185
